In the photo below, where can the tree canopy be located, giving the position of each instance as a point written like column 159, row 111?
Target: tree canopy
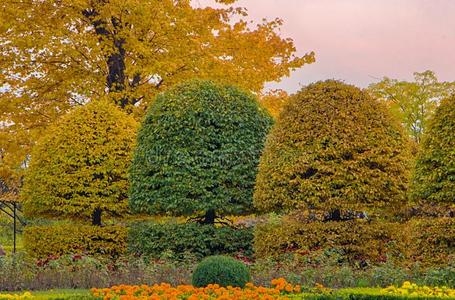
column 333, row 149
column 434, row 175
column 79, row 168
column 59, row 54
column 197, row 152
column 413, row 102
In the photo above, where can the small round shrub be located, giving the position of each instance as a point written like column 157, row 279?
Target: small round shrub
column 222, row 270
column 197, row 151
column 434, row 175
column 333, row 148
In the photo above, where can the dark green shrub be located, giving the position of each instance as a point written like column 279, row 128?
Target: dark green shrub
column 151, row 239
column 222, row 270
column 198, row 151
column 333, row 148
column 434, row 177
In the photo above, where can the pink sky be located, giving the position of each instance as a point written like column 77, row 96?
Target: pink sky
column 359, row 41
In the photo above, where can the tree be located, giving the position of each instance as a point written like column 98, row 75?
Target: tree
column 197, row 152
column 78, row 169
column 434, row 175
column 59, row 54
column 333, row 150
column 413, row 102
column 274, row 101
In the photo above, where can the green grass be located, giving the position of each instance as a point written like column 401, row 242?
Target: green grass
column 67, row 294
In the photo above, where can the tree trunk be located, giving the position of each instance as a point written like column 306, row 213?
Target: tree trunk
column 115, row 80
column 96, row 217
column 209, row 217
column 334, row 215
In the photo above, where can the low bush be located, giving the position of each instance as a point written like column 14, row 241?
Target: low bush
column 431, row 241
column 222, row 270
column 151, row 239
column 61, row 239
column 358, row 242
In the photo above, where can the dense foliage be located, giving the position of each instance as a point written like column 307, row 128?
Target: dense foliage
column 413, row 103
column 333, row 148
column 193, row 239
column 428, row 242
column 198, row 150
column 128, row 50
column 434, row 175
column 222, row 270
column 431, row 241
column 79, row 168
column 63, row 239
column 358, row 243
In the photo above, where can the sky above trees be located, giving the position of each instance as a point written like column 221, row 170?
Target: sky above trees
column 360, row 41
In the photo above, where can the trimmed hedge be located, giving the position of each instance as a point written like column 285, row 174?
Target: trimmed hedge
column 429, row 241
column 333, row 148
column 357, row 241
column 434, row 176
column 61, row 239
column 151, row 239
column 197, row 151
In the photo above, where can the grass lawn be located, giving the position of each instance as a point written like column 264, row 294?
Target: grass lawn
column 67, row 294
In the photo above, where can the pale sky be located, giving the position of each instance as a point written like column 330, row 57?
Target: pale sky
column 359, row 41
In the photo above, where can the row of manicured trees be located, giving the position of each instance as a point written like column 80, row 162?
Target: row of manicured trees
column 197, row 154
column 333, row 157
column 79, row 170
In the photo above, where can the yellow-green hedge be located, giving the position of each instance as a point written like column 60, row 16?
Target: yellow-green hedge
column 429, row 241
column 61, row 239
column 357, row 240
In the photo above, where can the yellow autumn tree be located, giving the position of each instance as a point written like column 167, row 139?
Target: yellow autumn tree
column 274, row 101
column 333, row 150
column 58, row 54
column 78, row 169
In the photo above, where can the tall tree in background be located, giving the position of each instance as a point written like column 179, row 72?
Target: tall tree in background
column 274, row 101
column 413, row 102
column 58, row 54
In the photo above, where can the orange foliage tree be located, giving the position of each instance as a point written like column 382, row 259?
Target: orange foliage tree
column 58, row 54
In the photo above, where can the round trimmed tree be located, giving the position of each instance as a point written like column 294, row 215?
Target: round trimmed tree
column 79, row 168
column 197, row 152
column 434, row 175
column 333, row 149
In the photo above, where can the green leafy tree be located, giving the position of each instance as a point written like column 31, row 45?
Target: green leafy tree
column 413, row 102
column 79, row 168
column 434, row 177
column 197, row 152
column 333, row 150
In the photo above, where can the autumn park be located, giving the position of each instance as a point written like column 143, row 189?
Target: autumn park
column 227, row 149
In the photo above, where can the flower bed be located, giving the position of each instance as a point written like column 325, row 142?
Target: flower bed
column 280, row 290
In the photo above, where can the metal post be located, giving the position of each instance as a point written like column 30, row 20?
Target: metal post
column 14, row 227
